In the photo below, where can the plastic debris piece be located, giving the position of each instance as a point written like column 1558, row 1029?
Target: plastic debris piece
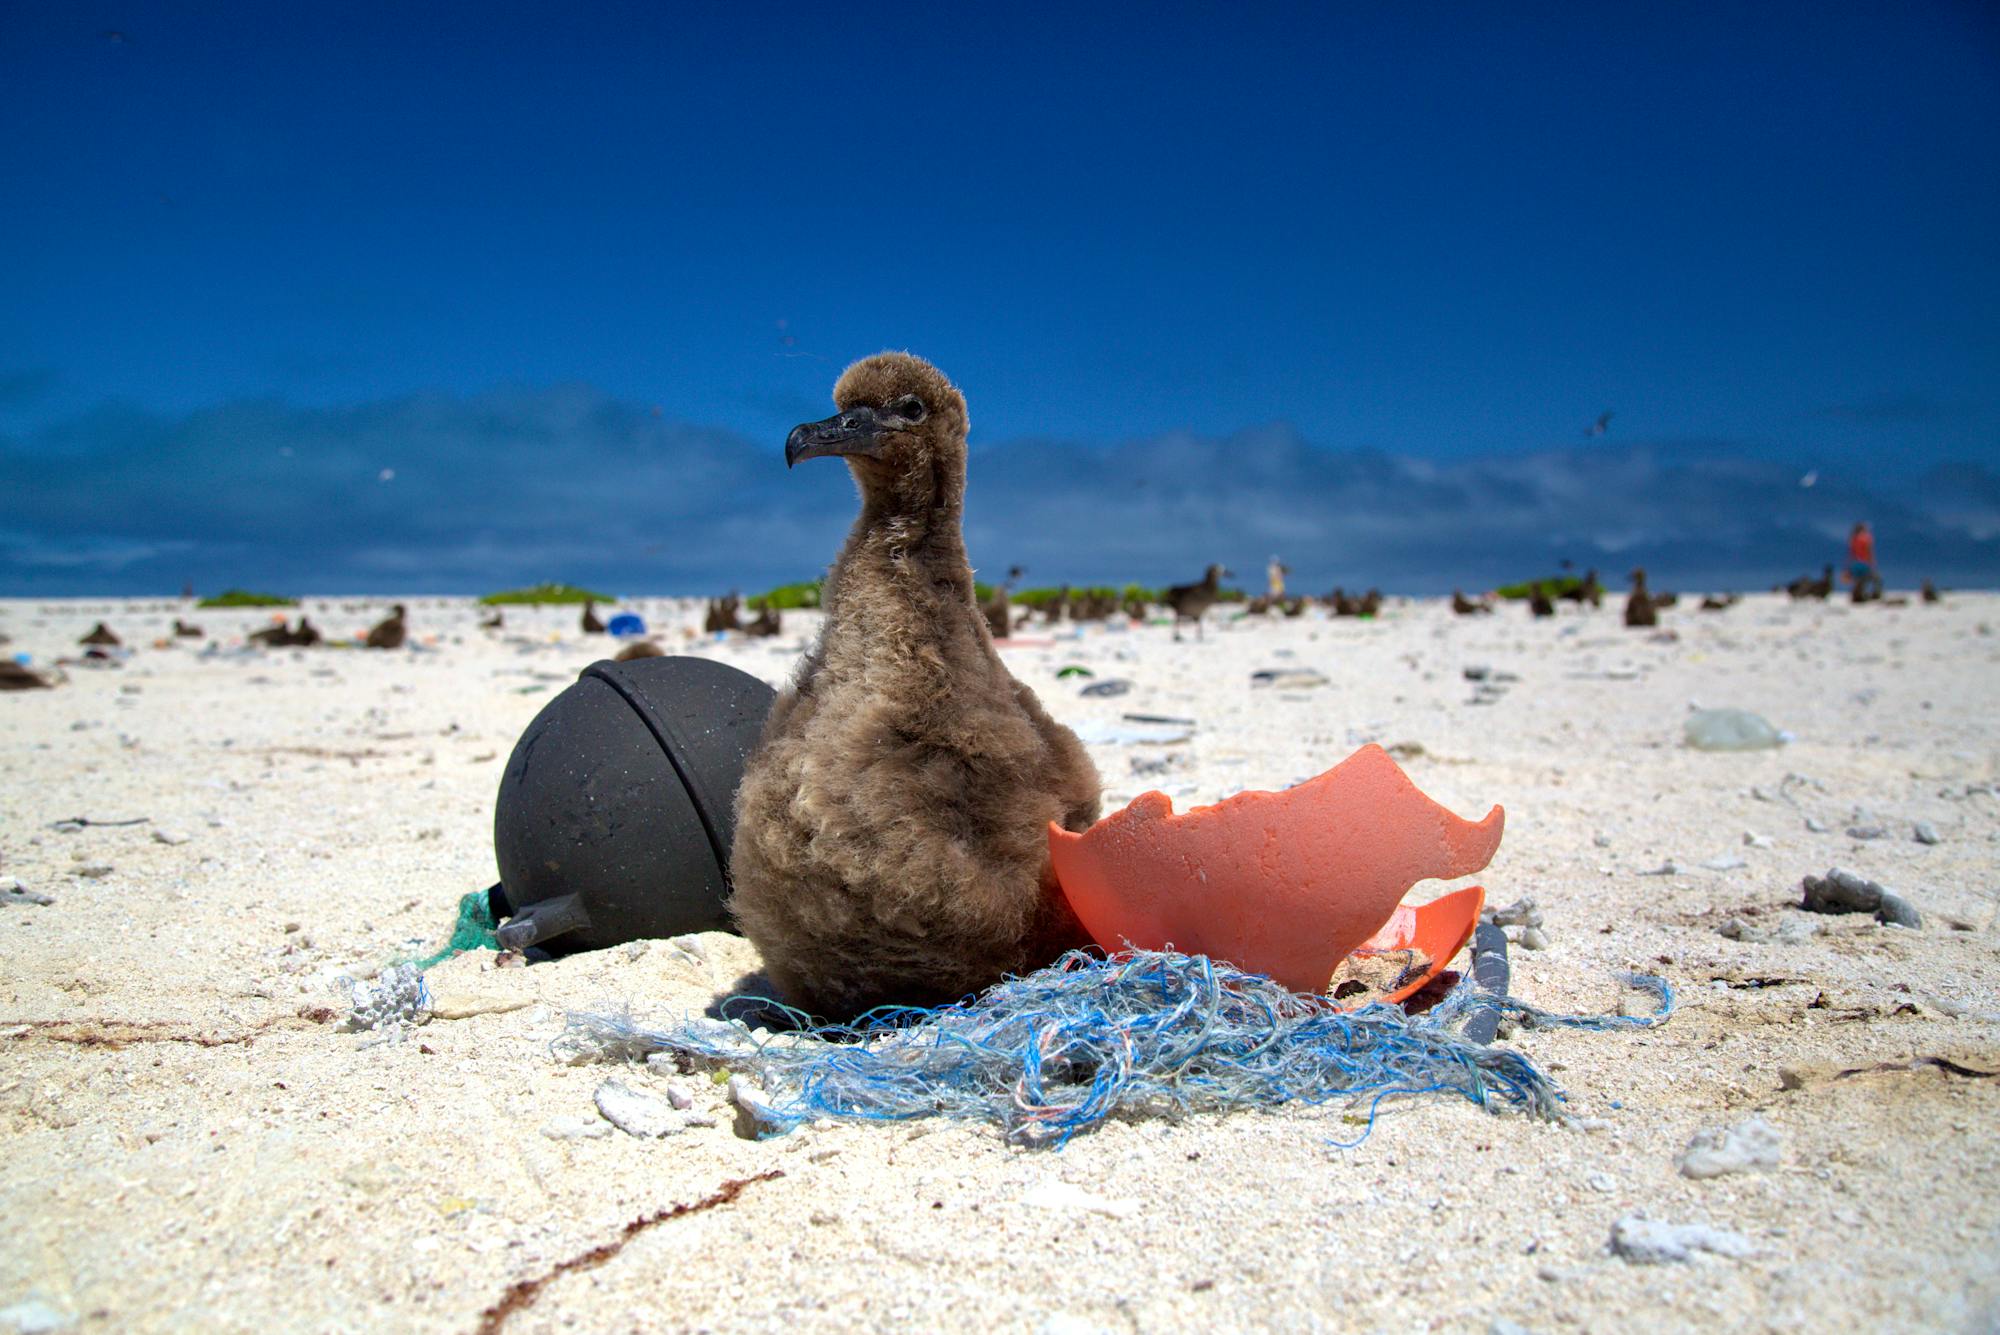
column 1144, row 1033
column 473, row 930
column 1287, row 883
column 1432, row 933
column 1073, row 670
column 1098, row 732
column 1288, row 679
column 1730, row 730
column 626, row 624
column 1110, row 686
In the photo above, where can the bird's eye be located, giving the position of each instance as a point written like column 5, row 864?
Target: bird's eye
column 910, row 408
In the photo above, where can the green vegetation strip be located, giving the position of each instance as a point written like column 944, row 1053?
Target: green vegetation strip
column 544, row 593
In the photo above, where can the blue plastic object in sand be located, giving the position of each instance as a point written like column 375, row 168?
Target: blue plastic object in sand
column 627, row 623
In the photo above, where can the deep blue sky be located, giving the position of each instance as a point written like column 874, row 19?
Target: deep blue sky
column 1440, row 232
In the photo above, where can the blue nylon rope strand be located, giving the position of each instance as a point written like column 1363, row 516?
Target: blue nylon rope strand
column 1059, row 1051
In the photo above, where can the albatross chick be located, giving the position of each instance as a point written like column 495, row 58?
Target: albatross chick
column 391, row 631
column 891, row 828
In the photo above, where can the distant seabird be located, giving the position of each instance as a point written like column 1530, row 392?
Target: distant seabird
column 1640, row 611
column 1586, row 590
column 592, row 625
column 891, row 828
column 1191, row 601
column 390, row 632
column 15, row 677
column 183, row 631
column 101, row 635
column 1539, row 601
column 998, row 610
column 722, row 614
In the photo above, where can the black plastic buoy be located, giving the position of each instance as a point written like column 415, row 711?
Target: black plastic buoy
column 616, row 811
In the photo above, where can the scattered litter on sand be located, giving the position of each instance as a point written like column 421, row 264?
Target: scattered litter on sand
column 1056, row 1052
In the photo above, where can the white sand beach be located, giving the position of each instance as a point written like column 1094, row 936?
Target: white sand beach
column 194, row 1142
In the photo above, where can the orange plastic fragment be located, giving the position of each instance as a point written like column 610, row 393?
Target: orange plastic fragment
column 1438, row 930
column 1286, row 884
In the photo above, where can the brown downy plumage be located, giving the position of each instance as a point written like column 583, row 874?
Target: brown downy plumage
column 1586, row 590
column 998, row 611
column 891, row 828
column 639, row 649
column 1928, row 592
column 1805, row 586
column 1713, row 603
column 1640, row 610
column 1190, row 601
column 274, row 636
column 766, row 624
column 1464, row 606
column 307, row 634
column 101, row 634
column 592, row 624
column 1539, row 602
column 1057, row 607
column 723, row 614
column 390, row 632
column 15, row 677
column 183, row 631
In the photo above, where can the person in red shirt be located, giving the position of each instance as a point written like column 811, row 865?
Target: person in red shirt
column 1861, row 560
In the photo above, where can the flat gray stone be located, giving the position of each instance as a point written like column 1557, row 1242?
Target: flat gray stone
column 1750, row 1144
column 576, row 1128
column 13, row 892
column 1643, row 1241
column 637, row 1113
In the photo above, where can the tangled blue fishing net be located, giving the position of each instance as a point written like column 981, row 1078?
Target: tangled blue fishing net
column 1142, row 1033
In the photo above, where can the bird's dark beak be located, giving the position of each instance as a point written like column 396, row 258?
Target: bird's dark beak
column 854, row 432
